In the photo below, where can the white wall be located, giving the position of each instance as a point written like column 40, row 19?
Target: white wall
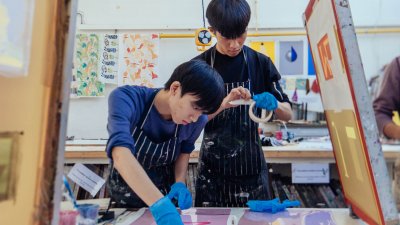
column 184, row 14
column 88, row 117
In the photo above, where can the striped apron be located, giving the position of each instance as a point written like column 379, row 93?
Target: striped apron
column 231, row 168
column 157, row 159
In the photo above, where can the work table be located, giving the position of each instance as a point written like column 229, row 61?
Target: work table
column 235, row 216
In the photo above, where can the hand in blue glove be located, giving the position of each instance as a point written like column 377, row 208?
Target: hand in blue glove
column 271, row 206
column 266, row 101
column 182, row 194
column 165, row 213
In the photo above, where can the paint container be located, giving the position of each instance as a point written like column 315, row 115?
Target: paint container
column 68, row 217
column 278, row 135
column 88, row 214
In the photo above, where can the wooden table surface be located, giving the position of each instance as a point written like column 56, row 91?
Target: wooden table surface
column 339, row 215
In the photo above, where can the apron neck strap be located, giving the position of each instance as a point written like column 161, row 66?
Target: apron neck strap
column 213, row 56
column 148, row 109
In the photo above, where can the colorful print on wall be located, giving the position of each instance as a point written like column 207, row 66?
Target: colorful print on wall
column 109, row 59
column 85, row 81
column 139, row 60
column 282, row 82
column 301, row 84
column 290, row 83
column 291, row 57
column 265, row 47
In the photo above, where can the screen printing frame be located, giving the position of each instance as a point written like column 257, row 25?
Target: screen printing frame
column 348, row 109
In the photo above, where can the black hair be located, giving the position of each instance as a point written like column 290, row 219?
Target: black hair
column 201, row 80
column 229, row 17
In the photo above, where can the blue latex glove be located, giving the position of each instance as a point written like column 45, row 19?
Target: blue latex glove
column 182, row 194
column 266, row 101
column 271, row 206
column 165, row 213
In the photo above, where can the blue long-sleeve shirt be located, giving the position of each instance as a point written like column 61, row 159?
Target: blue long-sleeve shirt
column 126, row 106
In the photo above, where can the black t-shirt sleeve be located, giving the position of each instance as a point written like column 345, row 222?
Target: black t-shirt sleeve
column 271, row 70
column 273, row 81
column 266, row 75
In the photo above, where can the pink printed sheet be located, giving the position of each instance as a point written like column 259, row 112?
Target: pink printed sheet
column 224, row 216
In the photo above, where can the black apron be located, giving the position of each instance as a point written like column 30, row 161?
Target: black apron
column 231, row 168
column 157, row 159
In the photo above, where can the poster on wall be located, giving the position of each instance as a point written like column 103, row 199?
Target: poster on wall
column 85, row 79
column 291, row 57
column 265, row 47
column 138, row 61
column 16, row 18
column 108, row 69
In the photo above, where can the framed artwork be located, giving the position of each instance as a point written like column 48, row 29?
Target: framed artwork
column 16, row 18
column 109, row 51
column 348, row 109
column 265, row 47
column 85, row 78
column 138, row 59
column 8, row 164
column 291, row 54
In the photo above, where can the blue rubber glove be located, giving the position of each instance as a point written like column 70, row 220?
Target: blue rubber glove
column 271, row 206
column 165, row 213
column 182, row 194
column 266, row 101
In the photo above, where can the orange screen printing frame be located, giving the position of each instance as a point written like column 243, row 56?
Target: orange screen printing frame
column 343, row 118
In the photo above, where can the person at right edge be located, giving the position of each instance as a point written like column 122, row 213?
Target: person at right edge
column 232, row 168
column 388, row 101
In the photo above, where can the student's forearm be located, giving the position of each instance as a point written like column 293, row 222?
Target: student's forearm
column 181, row 166
column 211, row 116
column 391, row 130
column 236, row 93
column 284, row 111
column 135, row 176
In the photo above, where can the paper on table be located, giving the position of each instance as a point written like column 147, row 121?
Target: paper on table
column 86, row 179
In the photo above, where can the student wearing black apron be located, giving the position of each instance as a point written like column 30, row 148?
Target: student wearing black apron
column 152, row 132
column 232, row 168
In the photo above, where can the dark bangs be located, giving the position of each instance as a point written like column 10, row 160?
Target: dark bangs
column 201, row 80
column 210, row 99
column 229, row 17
